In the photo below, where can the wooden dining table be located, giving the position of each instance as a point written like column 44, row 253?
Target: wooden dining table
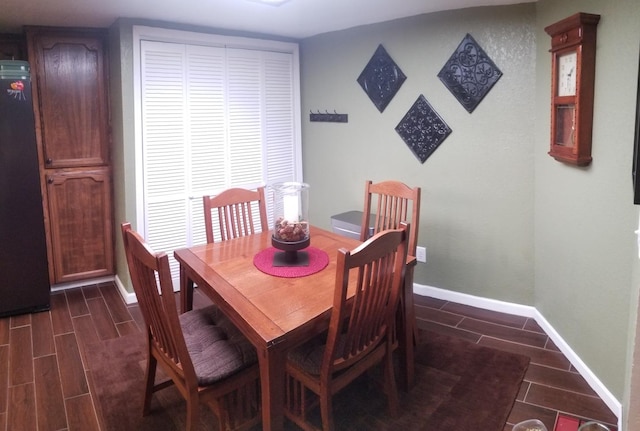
column 278, row 313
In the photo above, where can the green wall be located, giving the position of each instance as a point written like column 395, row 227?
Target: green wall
column 500, row 218
column 585, row 249
column 123, row 137
column 477, row 187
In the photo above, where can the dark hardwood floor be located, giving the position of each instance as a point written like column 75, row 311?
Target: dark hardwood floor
column 551, row 387
column 44, row 386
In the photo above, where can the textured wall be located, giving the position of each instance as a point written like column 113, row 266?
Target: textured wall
column 586, row 251
column 477, row 201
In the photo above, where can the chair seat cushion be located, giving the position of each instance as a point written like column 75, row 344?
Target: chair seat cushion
column 308, row 356
column 217, row 347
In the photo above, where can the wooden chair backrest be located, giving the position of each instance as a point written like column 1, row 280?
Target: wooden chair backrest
column 358, row 327
column 151, row 279
column 391, row 203
column 235, row 213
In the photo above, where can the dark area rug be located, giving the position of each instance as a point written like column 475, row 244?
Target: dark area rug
column 459, row 387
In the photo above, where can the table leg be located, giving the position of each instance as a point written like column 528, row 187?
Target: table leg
column 406, row 332
column 272, row 368
column 186, row 290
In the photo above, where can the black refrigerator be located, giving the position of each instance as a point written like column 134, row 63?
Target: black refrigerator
column 24, row 276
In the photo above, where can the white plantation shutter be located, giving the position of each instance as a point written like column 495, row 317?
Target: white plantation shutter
column 164, row 116
column 245, row 100
column 212, row 118
column 279, row 118
column 207, row 132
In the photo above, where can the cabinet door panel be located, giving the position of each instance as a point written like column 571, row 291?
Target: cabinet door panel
column 72, row 100
column 81, row 226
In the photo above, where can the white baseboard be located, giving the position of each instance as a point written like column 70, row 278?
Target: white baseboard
column 529, row 311
column 129, row 297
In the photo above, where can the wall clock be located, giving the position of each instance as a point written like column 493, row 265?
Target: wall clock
column 573, row 67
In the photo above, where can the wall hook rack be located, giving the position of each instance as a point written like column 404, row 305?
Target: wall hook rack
column 328, row 117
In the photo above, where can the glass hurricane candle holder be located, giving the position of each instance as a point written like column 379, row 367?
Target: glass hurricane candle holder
column 291, row 225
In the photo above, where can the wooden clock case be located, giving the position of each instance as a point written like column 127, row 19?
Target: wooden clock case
column 572, row 109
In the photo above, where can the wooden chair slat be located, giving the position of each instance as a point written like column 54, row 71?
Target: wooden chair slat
column 394, row 202
column 234, row 208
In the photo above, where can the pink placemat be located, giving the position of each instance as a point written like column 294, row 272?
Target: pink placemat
column 318, row 260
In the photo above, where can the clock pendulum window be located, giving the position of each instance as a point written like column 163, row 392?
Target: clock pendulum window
column 573, row 45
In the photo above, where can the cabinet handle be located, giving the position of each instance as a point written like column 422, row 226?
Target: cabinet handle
column 50, row 180
column 49, row 161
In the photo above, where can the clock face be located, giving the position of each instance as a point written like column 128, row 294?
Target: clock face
column 567, row 74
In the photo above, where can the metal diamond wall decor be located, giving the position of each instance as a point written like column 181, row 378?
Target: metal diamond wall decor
column 381, row 78
column 469, row 73
column 422, row 129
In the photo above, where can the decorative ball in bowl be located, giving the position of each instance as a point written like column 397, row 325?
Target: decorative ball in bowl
column 287, row 231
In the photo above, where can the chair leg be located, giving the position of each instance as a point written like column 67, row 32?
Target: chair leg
column 192, row 412
column 390, row 383
column 150, row 377
column 326, row 409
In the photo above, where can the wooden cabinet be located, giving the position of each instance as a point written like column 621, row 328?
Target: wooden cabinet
column 69, row 73
column 80, row 212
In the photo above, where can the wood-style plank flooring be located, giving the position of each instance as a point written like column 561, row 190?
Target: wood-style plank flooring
column 551, row 387
column 44, row 386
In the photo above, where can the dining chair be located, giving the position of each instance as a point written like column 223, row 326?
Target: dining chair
column 203, row 353
column 235, row 213
column 390, row 203
column 360, row 330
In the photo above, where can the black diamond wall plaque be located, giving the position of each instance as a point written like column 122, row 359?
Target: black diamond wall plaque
column 422, row 129
column 469, row 73
column 381, row 78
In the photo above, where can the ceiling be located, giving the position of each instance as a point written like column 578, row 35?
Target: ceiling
column 295, row 18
